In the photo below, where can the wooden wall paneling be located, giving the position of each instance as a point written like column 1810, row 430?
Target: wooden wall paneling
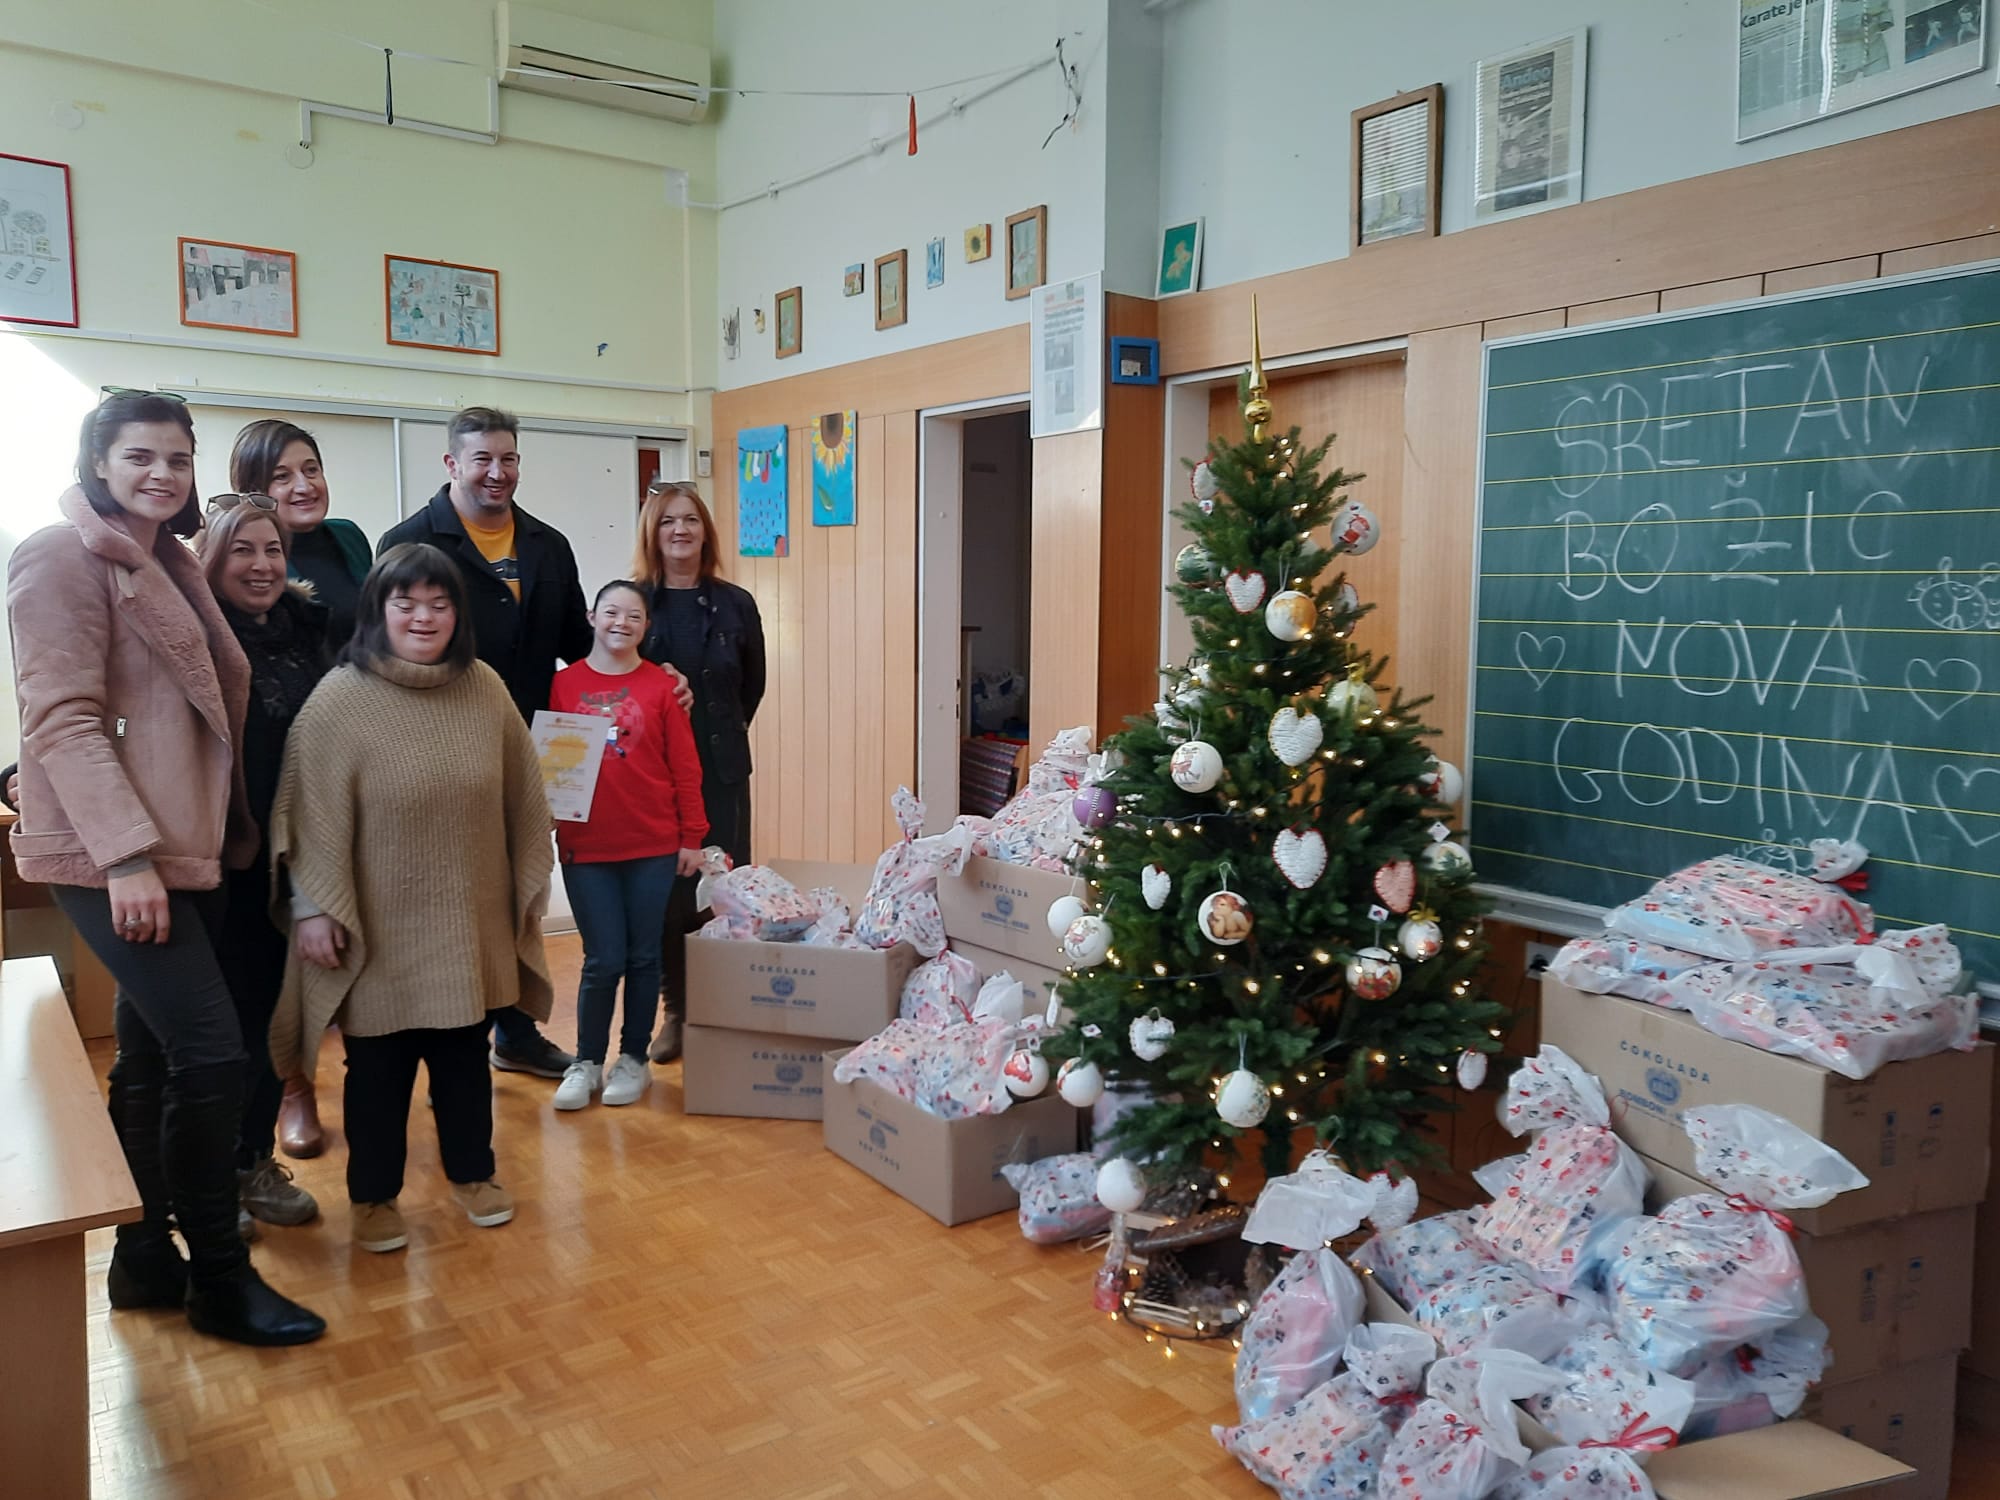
column 1063, row 599
column 1922, row 185
column 842, row 720
column 1129, row 581
column 1937, row 257
column 867, row 682
column 1534, row 322
column 1440, row 476
column 811, row 562
column 795, row 735
column 1824, row 273
column 975, row 368
column 1638, row 305
column 1710, row 293
column 899, row 616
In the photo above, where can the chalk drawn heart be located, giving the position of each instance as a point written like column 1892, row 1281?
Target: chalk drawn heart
column 1932, row 672
column 1524, row 643
column 1245, row 591
column 1396, row 884
column 1300, row 856
column 1295, row 736
column 1964, row 780
column 1156, row 885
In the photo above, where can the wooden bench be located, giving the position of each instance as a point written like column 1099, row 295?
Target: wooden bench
column 61, row 1173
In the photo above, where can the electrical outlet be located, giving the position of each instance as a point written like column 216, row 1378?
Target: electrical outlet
column 1540, row 956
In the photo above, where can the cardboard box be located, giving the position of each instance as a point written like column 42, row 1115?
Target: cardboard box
column 764, row 1074
column 1984, row 1355
column 1005, row 908
column 948, row 1168
column 1906, row 1413
column 1891, row 1293
column 1792, row 1461
column 1917, row 1129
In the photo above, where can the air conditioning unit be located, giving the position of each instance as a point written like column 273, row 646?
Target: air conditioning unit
column 542, row 52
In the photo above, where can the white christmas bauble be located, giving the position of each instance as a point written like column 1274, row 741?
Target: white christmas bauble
column 1156, row 885
column 1121, row 1186
column 1243, row 1100
column 1356, row 529
column 1202, row 482
column 1063, row 911
column 1225, row 919
column 1420, row 938
column 1352, row 695
column 1347, row 598
column 1471, row 1069
column 1080, row 1083
column 1151, row 1035
column 1196, row 766
column 1447, row 857
column 1373, row 974
column 1290, row 616
column 1086, row 941
column 1026, row 1074
column 1442, row 785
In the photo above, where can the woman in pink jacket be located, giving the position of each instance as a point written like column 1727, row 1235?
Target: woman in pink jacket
column 132, row 694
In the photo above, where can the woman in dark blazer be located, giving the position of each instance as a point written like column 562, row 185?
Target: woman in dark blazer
column 709, row 631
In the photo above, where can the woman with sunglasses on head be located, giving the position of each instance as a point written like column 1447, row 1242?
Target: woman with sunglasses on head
column 282, row 631
column 133, row 694
column 282, row 460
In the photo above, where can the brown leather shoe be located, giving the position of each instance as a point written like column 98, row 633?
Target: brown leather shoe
column 298, row 1121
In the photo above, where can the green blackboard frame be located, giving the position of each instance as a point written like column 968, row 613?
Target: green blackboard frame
column 1806, row 686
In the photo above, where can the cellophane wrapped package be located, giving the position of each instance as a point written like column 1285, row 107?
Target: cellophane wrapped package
column 1002, row 997
column 834, row 926
column 761, row 904
column 950, row 1071
column 1038, row 826
column 1496, row 1307
column 1461, row 1441
column 1058, row 1198
column 1731, row 908
column 1754, row 1385
column 1329, row 1444
column 1765, row 1158
column 1426, row 1255
column 1578, row 1474
column 1576, row 1183
column 1624, row 966
column 1321, row 1201
column 940, row 991
column 1610, row 1396
column 1293, row 1336
column 902, row 896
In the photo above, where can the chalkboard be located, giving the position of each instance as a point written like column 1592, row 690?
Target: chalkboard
column 1738, row 588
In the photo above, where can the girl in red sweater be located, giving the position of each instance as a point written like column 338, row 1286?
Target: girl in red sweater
column 646, row 825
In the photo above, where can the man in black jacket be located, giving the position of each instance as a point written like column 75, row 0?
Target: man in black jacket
column 527, row 613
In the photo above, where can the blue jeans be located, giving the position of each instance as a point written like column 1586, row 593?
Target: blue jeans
column 620, row 907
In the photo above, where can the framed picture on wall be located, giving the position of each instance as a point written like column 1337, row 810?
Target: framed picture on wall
column 978, row 242
column 37, row 243
column 1180, row 259
column 1801, row 63
column 791, row 332
column 246, row 288
column 1527, row 153
column 434, row 304
column 1027, row 249
column 892, row 275
column 1395, row 168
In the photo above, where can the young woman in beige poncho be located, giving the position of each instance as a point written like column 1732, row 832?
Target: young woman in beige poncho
column 412, row 825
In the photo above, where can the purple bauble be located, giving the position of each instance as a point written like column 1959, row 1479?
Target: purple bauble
column 1094, row 807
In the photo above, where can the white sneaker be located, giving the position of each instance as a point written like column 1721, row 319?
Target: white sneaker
column 581, row 1081
column 629, row 1080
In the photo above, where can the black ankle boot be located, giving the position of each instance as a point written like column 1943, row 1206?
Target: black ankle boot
column 146, row 1274
column 146, row 1269
column 241, row 1308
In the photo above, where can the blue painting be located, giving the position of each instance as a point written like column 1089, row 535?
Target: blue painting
column 762, row 520
column 934, row 264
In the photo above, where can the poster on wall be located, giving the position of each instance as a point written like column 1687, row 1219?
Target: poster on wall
column 1528, row 146
column 1802, row 60
column 433, row 304
column 833, row 469
column 1066, row 350
column 243, row 287
column 37, row 243
column 762, row 522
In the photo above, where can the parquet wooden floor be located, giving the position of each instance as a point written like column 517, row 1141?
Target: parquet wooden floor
column 702, row 1308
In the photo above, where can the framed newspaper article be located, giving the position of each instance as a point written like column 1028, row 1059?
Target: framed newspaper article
column 1528, row 141
column 1800, row 62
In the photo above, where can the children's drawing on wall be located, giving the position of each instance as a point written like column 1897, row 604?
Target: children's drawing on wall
column 436, row 305
column 833, row 469
column 37, row 281
column 762, row 523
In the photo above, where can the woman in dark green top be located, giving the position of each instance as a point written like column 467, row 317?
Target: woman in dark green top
column 282, row 460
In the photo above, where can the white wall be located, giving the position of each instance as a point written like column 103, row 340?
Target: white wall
column 1255, row 125
column 974, row 168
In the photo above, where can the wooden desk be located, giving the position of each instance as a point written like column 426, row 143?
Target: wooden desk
column 61, row 1173
column 33, row 925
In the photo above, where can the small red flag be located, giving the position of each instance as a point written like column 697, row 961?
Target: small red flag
column 913, row 124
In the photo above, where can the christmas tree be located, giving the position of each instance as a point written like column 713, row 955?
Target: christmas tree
column 1281, row 935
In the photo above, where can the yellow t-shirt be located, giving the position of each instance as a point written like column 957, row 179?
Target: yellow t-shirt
column 497, row 547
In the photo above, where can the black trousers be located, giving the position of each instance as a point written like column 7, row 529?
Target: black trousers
column 252, row 952
column 382, row 1076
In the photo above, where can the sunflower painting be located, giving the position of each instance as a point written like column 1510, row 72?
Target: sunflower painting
column 833, row 469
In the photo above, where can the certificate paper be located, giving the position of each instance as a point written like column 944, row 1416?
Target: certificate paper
column 570, row 748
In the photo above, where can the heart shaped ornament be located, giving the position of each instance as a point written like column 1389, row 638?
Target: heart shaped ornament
column 1396, row 884
column 1156, row 885
column 1295, row 737
column 1245, row 591
column 1300, row 854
